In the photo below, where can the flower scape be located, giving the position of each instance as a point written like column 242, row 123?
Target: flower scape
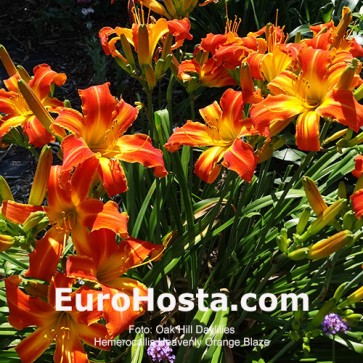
column 238, row 170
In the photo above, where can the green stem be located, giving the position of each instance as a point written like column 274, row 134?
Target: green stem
column 192, row 106
column 333, row 352
column 169, row 100
column 282, row 352
column 324, row 131
column 185, row 194
column 150, row 115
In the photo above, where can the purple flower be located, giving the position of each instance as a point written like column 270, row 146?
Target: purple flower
column 160, row 350
column 333, row 323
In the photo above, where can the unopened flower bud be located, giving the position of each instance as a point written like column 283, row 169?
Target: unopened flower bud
column 5, row 192
column 330, row 245
column 39, row 187
column 326, row 217
column 303, row 221
column 313, row 195
column 6, row 242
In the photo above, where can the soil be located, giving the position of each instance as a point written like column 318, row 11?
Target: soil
column 61, row 34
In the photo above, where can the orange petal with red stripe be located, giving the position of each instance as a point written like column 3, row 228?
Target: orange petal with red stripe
column 341, row 105
column 112, row 176
column 43, row 78
column 98, row 105
column 35, row 344
column 75, row 151
column 191, row 134
column 119, row 321
column 241, row 159
column 274, row 108
column 307, row 131
column 138, row 148
column 24, row 309
column 43, row 261
column 207, row 167
column 17, row 212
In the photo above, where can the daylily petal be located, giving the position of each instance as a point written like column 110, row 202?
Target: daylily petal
column 119, row 321
column 43, row 261
column 120, row 258
column 138, row 250
column 36, row 132
column 89, row 333
column 71, row 120
column 10, row 123
column 69, row 349
column 207, row 167
column 357, row 203
column 274, row 63
column 138, row 148
column 59, row 196
column 81, row 239
column 230, row 123
column 314, row 63
column 241, row 159
column 124, row 115
column 211, row 114
column 213, row 75
column 112, row 176
column 17, row 212
column 341, row 105
column 81, row 180
column 34, row 345
column 9, row 101
column 24, row 309
column 358, row 169
column 284, row 83
column 274, row 108
column 82, row 267
column 180, row 30
column 75, row 152
column 212, row 41
column 155, row 32
column 156, row 7
column 191, row 134
column 307, row 131
column 98, row 105
column 44, row 76
column 96, row 215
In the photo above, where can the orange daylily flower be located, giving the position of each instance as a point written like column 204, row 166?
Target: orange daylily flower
column 229, row 49
column 207, row 74
column 328, row 36
column 277, row 59
column 108, row 262
column 224, row 127
column 71, row 213
column 18, row 113
column 323, row 88
column 66, row 328
column 144, row 38
column 98, row 135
